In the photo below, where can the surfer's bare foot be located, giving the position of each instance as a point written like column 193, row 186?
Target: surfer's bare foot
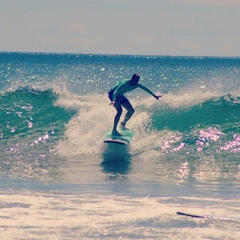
column 123, row 126
column 116, row 133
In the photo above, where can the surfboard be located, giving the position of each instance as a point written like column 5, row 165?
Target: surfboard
column 124, row 139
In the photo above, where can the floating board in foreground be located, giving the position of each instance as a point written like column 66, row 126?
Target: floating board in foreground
column 208, row 216
column 124, row 139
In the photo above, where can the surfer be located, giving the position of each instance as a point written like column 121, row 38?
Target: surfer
column 118, row 99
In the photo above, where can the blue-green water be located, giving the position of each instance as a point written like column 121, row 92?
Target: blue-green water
column 184, row 156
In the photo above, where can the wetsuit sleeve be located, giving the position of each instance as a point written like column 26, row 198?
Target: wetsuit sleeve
column 145, row 89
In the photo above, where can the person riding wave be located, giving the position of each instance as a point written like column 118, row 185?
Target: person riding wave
column 119, row 100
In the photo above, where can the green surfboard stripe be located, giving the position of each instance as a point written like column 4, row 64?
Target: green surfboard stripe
column 126, row 135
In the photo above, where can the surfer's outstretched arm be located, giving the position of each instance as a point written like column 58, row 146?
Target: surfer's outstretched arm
column 149, row 91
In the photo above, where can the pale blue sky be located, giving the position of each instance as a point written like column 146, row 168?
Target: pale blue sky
column 149, row 27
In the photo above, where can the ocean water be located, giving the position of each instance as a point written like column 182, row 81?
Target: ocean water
column 60, row 181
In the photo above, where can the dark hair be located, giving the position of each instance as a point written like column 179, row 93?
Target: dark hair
column 136, row 75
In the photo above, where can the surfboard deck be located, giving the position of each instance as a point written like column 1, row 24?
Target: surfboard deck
column 124, row 139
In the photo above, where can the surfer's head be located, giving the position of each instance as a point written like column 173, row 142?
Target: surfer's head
column 135, row 78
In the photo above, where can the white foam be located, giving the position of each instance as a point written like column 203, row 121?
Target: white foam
column 29, row 214
column 94, row 116
column 85, row 130
column 189, row 99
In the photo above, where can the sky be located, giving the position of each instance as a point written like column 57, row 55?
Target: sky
column 138, row 27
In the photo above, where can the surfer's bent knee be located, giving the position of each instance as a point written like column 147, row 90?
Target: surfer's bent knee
column 119, row 110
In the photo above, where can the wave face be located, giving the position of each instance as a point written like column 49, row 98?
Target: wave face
column 54, row 113
column 221, row 111
column 31, row 126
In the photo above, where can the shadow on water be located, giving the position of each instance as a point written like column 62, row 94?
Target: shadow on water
column 116, row 160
